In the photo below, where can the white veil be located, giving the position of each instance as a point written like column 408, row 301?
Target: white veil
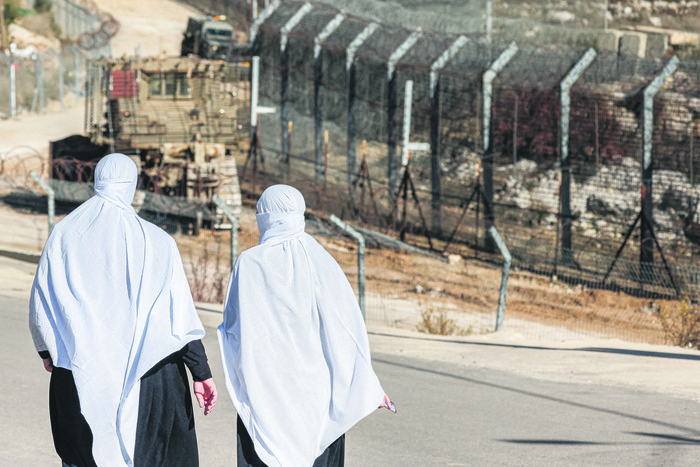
column 293, row 343
column 110, row 300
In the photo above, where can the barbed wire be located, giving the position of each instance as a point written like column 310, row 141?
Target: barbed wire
column 605, row 131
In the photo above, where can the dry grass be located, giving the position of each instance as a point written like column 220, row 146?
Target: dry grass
column 681, row 322
column 437, row 322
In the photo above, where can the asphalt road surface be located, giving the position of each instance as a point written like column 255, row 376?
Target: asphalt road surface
column 448, row 414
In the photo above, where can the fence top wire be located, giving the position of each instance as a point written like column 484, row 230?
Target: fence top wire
column 472, row 60
column 383, row 42
column 537, row 69
column 459, row 16
column 627, row 75
column 428, row 48
column 532, row 67
column 314, row 21
column 346, row 32
column 281, row 15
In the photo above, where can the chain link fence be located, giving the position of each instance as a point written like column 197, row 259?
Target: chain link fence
column 480, row 153
column 34, row 81
column 41, row 81
column 350, row 162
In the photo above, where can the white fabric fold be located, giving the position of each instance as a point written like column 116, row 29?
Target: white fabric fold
column 294, row 346
column 110, row 300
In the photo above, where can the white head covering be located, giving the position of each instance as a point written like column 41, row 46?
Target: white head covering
column 293, row 342
column 110, row 300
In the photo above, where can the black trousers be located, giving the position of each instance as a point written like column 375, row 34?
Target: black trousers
column 165, row 433
column 333, row 456
column 72, row 437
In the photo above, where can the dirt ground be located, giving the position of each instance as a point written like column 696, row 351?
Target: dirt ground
column 156, row 26
column 409, row 283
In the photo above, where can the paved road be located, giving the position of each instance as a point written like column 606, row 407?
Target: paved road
column 449, row 414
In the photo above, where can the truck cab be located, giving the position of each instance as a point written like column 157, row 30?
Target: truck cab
column 208, row 37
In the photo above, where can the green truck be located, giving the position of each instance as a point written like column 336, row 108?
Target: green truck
column 208, row 37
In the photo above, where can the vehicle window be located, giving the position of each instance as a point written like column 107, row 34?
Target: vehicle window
column 183, row 86
column 170, row 85
column 156, row 86
column 218, row 32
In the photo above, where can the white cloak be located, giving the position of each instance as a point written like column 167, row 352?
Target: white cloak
column 110, row 300
column 293, row 342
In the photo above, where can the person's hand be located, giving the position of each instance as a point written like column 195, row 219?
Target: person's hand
column 48, row 364
column 206, row 394
column 386, row 403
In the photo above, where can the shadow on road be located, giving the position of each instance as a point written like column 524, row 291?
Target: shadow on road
column 661, row 439
column 571, row 403
column 632, row 352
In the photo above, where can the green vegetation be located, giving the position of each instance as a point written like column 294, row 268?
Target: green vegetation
column 11, row 11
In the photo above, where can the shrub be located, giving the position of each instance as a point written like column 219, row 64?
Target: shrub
column 681, row 323
column 437, row 322
column 208, row 276
column 11, row 11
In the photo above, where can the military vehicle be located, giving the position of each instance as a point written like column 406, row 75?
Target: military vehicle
column 208, row 37
column 179, row 118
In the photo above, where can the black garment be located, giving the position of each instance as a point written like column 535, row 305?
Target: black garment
column 193, row 354
column 72, row 437
column 333, row 456
column 165, row 434
column 195, row 357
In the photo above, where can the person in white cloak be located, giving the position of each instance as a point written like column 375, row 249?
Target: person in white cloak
column 112, row 316
column 294, row 345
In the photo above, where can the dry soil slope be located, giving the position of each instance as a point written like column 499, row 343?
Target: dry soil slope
column 155, row 25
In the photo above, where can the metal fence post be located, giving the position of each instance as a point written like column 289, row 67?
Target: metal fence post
column 435, row 68
column 407, row 109
column 13, row 93
column 504, row 276
column 234, row 226
column 76, row 70
column 487, row 157
column 318, row 96
column 360, row 259
column 646, row 254
column 254, row 91
column 51, row 205
column 352, row 87
column 392, row 138
column 284, row 78
column 261, row 18
column 39, row 88
column 565, row 193
column 489, row 24
column 59, row 56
